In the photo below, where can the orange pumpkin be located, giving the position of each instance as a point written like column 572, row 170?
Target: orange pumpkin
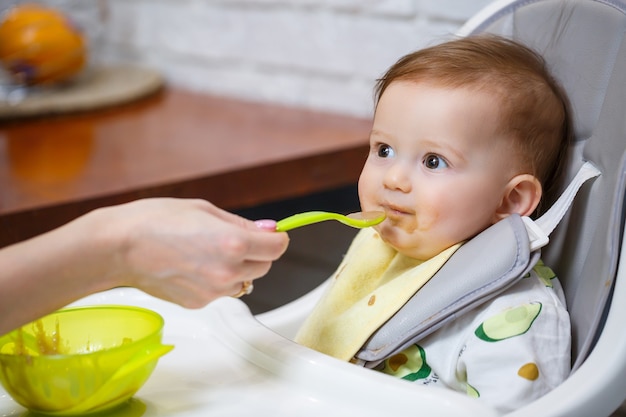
column 40, row 45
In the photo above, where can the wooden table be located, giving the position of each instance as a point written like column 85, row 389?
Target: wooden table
column 174, row 143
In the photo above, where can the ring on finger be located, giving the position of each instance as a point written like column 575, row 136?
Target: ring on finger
column 246, row 289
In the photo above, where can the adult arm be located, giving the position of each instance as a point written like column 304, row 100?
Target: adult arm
column 185, row 251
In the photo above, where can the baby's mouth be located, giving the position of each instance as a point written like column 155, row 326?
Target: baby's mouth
column 395, row 212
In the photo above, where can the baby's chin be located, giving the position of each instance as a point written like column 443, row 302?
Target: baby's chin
column 393, row 237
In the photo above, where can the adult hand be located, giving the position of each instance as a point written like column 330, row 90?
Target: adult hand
column 189, row 251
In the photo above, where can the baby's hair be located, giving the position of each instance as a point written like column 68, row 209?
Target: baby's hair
column 534, row 108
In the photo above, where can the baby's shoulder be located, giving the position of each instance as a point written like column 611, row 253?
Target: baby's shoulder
column 539, row 285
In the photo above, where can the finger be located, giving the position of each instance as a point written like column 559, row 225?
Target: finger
column 266, row 224
column 261, row 245
column 252, row 270
column 263, row 225
column 264, row 246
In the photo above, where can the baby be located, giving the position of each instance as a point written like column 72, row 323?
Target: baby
column 465, row 133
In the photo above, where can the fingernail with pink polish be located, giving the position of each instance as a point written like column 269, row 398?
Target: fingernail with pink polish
column 266, row 224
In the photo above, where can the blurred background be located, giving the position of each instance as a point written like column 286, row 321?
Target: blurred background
column 309, row 64
column 320, row 54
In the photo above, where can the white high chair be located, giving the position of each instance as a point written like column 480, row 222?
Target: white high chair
column 584, row 45
column 230, row 363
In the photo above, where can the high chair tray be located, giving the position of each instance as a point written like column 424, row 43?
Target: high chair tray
column 226, row 363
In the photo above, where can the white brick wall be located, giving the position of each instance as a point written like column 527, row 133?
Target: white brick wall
column 321, row 54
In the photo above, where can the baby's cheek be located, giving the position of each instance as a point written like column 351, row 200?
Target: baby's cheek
column 426, row 219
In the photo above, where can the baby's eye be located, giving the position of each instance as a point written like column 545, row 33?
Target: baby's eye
column 385, row 151
column 432, row 161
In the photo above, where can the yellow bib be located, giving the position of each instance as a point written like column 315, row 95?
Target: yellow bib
column 370, row 285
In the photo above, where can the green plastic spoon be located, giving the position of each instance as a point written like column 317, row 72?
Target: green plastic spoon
column 358, row 220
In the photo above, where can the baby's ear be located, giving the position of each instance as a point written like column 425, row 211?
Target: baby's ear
column 521, row 196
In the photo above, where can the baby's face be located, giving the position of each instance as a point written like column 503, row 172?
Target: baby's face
column 436, row 166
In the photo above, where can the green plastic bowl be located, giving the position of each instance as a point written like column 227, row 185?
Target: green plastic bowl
column 81, row 360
